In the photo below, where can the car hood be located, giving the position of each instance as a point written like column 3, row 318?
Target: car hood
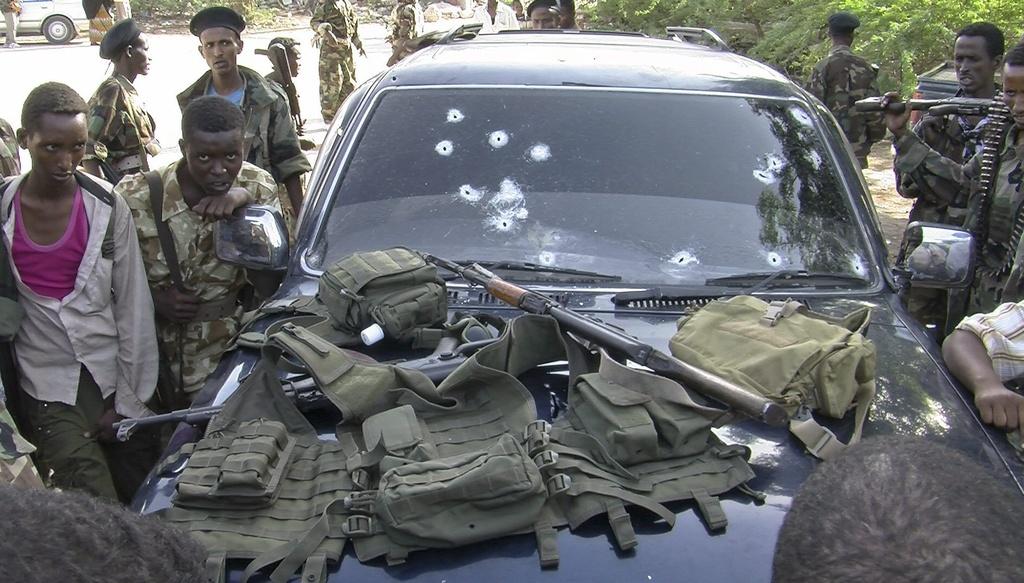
column 915, row 396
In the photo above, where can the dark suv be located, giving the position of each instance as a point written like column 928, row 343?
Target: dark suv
column 613, row 163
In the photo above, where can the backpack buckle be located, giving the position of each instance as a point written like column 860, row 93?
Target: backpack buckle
column 360, row 479
column 536, row 436
column 559, row 483
column 361, row 501
column 357, row 525
column 546, row 459
column 772, row 314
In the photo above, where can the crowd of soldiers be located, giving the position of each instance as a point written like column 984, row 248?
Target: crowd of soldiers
column 939, row 164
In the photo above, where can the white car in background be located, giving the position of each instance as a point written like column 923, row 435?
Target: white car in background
column 58, row 20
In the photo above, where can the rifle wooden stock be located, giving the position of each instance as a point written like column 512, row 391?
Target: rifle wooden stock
column 615, row 341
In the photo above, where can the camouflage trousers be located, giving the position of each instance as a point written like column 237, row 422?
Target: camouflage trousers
column 191, row 352
column 67, row 448
column 337, row 78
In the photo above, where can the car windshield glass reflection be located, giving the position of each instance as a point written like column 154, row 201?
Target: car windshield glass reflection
column 653, row 187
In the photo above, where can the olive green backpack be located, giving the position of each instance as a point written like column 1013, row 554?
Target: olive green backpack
column 798, row 358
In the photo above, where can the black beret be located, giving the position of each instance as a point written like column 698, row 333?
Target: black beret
column 118, row 37
column 843, row 21
column 216, row 17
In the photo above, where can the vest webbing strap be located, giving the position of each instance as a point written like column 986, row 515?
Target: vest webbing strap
column 292, row 554
column 820, row 441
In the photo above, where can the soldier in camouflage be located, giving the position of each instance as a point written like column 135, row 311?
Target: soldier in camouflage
column 16, row 467
column 977, row 55
column 121, row 132
column 841, row 79
column 1000, row 267
column 10, row 161
column 337, row 30
column 403, row 26
column 196, row 323
column 271, row 141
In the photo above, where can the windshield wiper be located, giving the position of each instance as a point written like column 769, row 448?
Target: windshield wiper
column 760, row 280
column 527, row 267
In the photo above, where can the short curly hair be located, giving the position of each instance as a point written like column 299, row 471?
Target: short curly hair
column 995, row 42
column 902, row 510
column 46, row 535
column 1015, row 56
column 51, row 97
column 210, row 114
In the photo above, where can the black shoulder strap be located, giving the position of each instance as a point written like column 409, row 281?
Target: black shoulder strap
column 163, row 232
column 94, row 188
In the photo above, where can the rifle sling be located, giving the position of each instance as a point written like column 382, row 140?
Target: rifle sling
column 163, row 232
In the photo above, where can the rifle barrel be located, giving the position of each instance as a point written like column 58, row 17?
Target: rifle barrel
column 610, row 338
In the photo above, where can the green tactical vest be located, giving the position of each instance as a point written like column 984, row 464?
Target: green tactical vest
column 800, row 359
column 417, row 466
column 394, row 288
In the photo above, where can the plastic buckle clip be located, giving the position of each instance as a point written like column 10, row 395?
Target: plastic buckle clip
column 538, row 426
column 558, row 483
column 361, row 501
column 360, row 479
column 358, row 525
column 545, row 459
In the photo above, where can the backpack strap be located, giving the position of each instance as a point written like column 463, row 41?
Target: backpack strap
column 107, row 198
column 163, row 232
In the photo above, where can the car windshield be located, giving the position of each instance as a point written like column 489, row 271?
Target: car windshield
column 654, row 187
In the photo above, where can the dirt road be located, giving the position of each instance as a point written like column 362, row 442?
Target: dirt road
column 892, row 208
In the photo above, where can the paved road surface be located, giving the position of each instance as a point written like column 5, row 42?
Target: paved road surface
column 176, row 65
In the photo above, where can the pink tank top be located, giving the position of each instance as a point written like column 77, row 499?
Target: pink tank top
column 51, row 270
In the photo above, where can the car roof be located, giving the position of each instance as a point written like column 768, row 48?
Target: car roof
column 579, row 58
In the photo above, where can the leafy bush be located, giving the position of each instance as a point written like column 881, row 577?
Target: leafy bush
column 254, row 13
column 903, row 37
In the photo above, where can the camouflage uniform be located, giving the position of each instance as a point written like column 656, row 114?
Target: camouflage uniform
column 10, row 161
column 998, row 275
column 403, row 27
column 337, row 68
column 838, row 81
column 938, row 200
column 16, row 467
column 202, row 343
column 270, row 137
column 121, row 131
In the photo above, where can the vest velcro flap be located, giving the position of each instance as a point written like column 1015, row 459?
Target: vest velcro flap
column 462, row 499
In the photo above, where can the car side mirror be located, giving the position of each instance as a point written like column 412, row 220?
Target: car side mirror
column 255, row 238
column 937, row 256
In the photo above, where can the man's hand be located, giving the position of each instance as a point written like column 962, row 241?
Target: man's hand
column 896, row 122
column 175, row 306
column 105, row 426
column 1000, row 406
column 223, row 206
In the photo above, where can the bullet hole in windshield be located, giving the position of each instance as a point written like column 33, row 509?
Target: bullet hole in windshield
column 685, row 258
column 454, row 116
column 546, row 258
column 857, row 264
column 769, row 166
column 498, row 139
column 773, row 258
column 470, row 194
column 540, row 153
column 444, row 147
column 801, row 116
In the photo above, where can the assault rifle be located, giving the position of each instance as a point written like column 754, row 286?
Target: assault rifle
column 277, row 52
column 448, row 355
column 969, row 106
column 619, row 343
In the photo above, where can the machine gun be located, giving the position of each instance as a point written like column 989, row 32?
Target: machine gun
column 277, row 52
column 970, row 106
column 447, row 356
column 619, row 343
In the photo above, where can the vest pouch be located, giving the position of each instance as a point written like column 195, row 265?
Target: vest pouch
column 394, row 288
column 238, row 469
column 462, row 499
column 635, row 426
column 399, row 433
